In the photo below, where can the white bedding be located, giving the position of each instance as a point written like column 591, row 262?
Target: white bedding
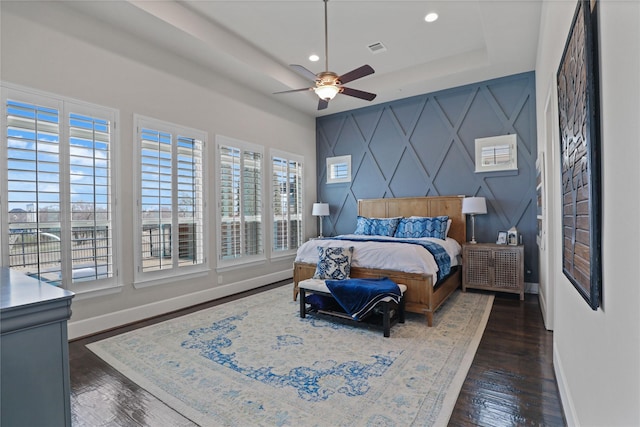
column 391, row 256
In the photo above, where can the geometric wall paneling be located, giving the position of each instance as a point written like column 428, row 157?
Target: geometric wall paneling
column 387, row 143
column 368, row 180
column 407, row 173
column 349, row 139
column 366, row 120
column 425, row 146
column 406, row 113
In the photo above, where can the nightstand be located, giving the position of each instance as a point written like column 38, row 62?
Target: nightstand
column 493, row 267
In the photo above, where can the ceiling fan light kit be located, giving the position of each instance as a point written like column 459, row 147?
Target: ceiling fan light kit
column 327, row 83
column 327, row 92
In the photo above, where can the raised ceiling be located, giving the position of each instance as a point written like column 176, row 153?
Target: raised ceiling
column 252, row 42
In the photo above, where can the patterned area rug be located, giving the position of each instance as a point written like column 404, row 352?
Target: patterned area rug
column 254, row 362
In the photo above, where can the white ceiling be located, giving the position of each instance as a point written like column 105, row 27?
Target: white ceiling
column 252, row 42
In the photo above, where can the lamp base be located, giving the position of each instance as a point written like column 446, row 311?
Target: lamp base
column 473, row 229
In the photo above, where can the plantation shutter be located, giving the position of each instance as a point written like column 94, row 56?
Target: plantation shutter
column 59, row 222
column 156, row 203
column 279, row 207
column 252, row 202
column 229, row 185
column 90, row 194
column 171, row 200
column 33, row 197
column 240, row 200
column 190, row 203
column 295, row 204
column 287, row 203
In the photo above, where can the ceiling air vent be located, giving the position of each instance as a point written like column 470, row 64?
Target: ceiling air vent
column 377, row 47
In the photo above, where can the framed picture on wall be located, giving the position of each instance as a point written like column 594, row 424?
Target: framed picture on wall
column 580, row 156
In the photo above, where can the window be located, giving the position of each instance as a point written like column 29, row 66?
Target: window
column 287, row 194
column 170, row 202
column 338, row 169
column 59, row 191
column 497, row 153
column 240, row 208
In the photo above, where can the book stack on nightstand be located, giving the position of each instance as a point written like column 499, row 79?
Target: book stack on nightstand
column 493, row 267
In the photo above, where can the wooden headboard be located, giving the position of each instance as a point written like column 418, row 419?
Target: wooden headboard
column 419, row 206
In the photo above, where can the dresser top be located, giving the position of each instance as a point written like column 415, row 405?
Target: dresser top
column 19, row 290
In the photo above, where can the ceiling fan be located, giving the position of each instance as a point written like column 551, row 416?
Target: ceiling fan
column 327, row 83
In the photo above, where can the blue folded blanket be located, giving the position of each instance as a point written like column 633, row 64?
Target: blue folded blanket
column 358, row 296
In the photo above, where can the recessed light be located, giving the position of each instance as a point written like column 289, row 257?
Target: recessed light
column 431, row 16
column 314, row 58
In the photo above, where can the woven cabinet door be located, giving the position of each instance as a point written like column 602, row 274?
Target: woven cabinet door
column 507, row 273
column 477, row 271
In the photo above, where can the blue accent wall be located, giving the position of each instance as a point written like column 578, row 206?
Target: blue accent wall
column 425, row 146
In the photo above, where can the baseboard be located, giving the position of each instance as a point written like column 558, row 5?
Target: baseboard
column 543, row 308
column 531, row 288
column 565, row 395
column 82, row 328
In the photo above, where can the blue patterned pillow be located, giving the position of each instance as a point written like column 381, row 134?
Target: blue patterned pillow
column 376, row 226
column 333, row 263
column 414, row 227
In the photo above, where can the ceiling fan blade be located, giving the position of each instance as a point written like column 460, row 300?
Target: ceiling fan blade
column 358, row 73
column 358, row 93
column 322, row 104
column 307, row 74
column 294, row 90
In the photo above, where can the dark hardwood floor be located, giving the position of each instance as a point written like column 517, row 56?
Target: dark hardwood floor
column 511, row 381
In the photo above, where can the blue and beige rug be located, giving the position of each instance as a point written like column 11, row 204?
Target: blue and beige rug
column 254, row 362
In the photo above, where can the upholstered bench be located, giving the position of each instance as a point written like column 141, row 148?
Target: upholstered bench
column 390, row 316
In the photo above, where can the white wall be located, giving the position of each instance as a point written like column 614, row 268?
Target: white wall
column 597, row 353
column 49, row 47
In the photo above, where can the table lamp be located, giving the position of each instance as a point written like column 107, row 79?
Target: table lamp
column 474, row 206
column 320, row 210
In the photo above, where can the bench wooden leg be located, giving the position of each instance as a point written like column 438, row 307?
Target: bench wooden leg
column 386, row 319
column 401, row 310
column 303, row 306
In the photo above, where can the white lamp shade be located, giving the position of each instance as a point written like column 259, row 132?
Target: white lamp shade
column 320, row 209
column 474, row 205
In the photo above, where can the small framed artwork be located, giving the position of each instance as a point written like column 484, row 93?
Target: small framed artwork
column 502, row 238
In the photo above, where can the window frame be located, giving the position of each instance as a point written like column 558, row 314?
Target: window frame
column 507, row 143
column 288, row 157
column 66, row 106
column 341, row 162
column 162, row 276
column 241, row 260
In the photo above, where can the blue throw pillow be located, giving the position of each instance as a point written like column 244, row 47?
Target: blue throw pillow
column 376, row 226
column 333, row 263
column 415, row 227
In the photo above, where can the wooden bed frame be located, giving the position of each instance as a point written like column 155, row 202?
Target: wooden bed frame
column 420, row 297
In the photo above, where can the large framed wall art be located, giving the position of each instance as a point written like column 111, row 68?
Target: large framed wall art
column 578, row 111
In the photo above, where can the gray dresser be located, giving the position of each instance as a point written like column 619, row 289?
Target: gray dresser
column 34, row 352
